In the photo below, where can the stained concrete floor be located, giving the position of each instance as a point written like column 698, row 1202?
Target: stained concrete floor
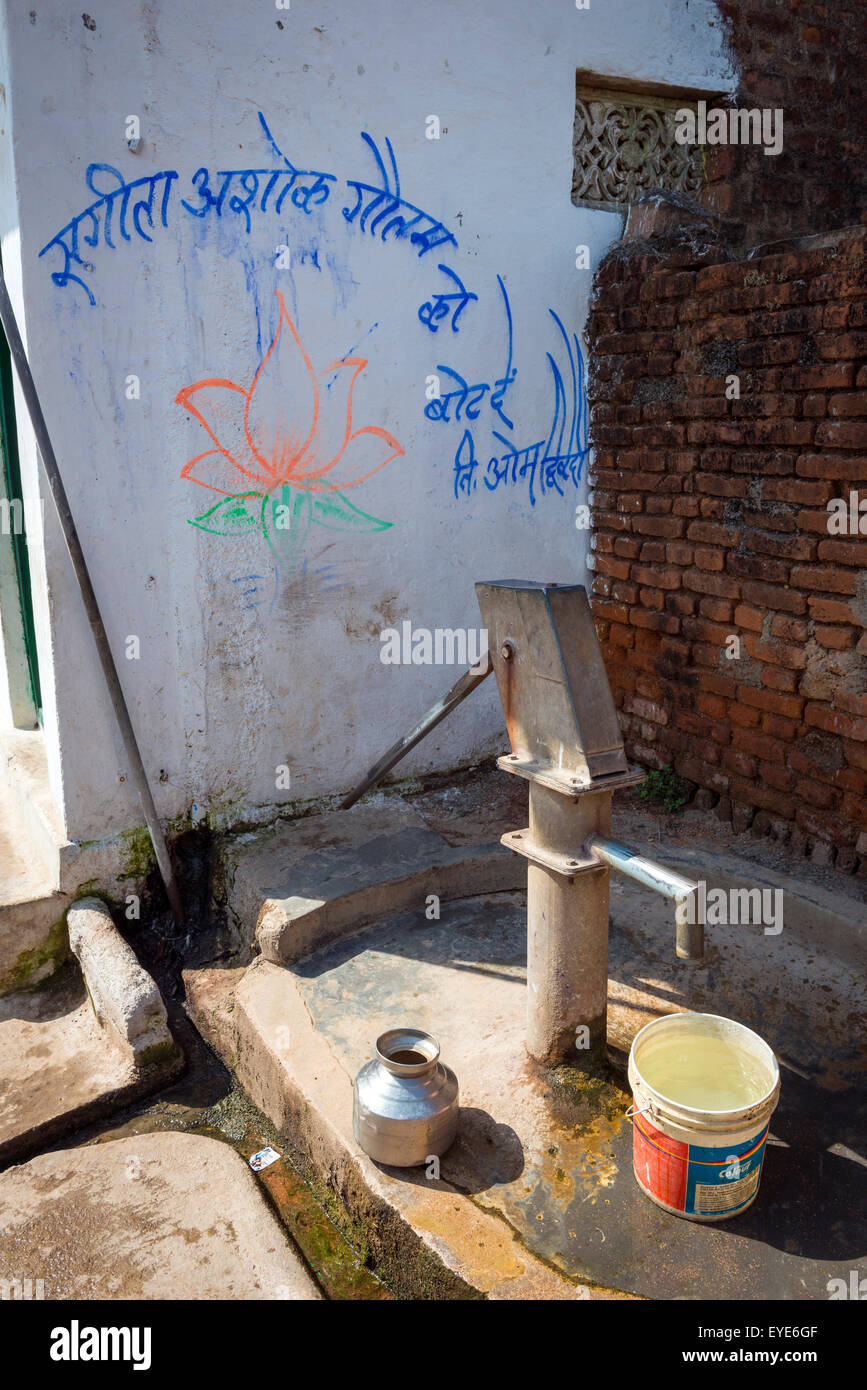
column 557, row 1165
column 537, row 1198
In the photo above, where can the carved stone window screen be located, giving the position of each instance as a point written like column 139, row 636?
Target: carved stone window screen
column 624, row 145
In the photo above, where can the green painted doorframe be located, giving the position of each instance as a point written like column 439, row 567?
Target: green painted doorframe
column 12, row 491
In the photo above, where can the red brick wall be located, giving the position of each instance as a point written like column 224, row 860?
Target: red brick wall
column 808, row 59
column 710, row 519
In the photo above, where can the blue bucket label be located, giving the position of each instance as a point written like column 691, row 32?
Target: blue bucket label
column 691, row 1178
column 723, row 1180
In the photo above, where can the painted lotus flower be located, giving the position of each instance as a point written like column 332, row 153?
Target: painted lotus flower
column 284, row 449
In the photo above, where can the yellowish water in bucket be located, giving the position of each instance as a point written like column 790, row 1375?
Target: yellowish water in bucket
column 703, row 1072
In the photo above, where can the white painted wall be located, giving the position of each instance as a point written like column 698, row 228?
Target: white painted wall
column 223, row 692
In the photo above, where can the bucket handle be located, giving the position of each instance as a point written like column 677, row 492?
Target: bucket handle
column 638, row 1110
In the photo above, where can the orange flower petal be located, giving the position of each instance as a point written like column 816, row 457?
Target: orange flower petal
column 336, row 385
column 219, row 405
column 283, row 402
column 216, row 471
column 366, row 452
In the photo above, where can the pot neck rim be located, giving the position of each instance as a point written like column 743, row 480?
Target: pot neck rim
column 402, row 1040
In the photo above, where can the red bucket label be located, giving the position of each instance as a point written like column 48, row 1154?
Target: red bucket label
column 693, row 1179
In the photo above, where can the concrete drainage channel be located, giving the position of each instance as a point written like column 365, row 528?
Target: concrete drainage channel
column 76, row 1050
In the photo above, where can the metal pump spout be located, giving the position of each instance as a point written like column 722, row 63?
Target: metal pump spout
column 690, row 928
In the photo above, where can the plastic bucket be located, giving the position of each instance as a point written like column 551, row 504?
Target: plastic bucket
column 701, row 1164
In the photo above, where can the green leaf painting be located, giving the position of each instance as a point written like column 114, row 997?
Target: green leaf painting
column 234, row 516
column 336, row 511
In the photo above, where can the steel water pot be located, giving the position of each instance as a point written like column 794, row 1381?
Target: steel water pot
column 405, row 1100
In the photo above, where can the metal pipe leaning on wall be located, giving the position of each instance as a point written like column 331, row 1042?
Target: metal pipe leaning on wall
column 91, row 606
column 459, row 692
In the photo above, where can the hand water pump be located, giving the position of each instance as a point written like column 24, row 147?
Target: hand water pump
column 566, row 743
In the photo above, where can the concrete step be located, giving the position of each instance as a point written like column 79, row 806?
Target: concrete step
column 92, row 1039
column 33, row 939
column 59, row 1070
column 154, row 1216
column 306, row 882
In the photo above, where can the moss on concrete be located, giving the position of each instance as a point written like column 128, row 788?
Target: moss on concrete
column 90, row 890
column 138, row 854
column 581, row 1098
column 381, row 1238
column 158, row 1054
column 41, row 963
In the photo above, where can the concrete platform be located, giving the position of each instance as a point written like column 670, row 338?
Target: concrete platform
column 428, row 1238
column 58, row 1069
column 537, row 1198
column 157, row 1216
column 305, row 882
